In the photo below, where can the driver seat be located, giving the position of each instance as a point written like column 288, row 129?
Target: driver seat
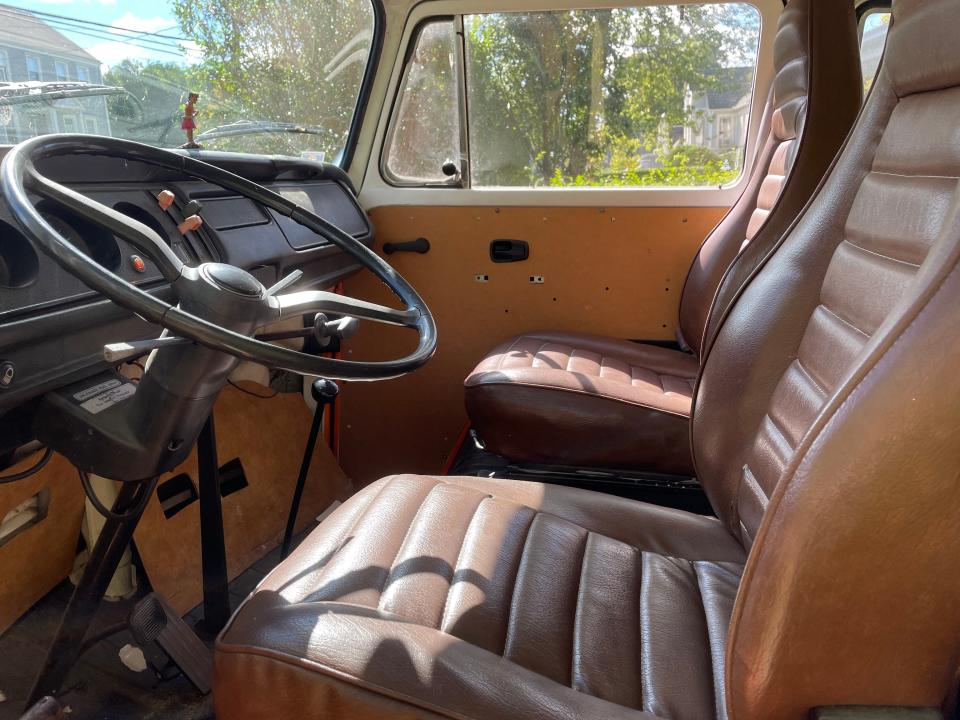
column 825, row 431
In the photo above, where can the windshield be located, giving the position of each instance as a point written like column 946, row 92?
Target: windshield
column 259, row 76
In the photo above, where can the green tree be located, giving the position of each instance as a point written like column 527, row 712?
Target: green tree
column 559, row 97
column 531, row 92
column 282, row 60
column 669, row 51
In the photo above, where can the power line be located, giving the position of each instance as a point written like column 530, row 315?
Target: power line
column 160, row 51
column 82, row 25
column 102, row 35
column 94, row 23
column 108, row 38
column 157, row 33
column 143, row 44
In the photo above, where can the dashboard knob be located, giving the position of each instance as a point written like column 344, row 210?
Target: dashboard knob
column 191, row 223
column 7, row 373
column 165, row 199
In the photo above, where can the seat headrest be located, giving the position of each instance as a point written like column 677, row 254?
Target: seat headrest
column 921, row 52
column 791, row 84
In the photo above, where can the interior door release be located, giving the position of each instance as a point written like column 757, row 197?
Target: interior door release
column 420, row 245
column 504, row 251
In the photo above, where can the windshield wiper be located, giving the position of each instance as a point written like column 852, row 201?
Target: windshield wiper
column 251, row 127
column 15, row 93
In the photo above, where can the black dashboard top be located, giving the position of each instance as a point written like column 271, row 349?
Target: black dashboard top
column 53, row 328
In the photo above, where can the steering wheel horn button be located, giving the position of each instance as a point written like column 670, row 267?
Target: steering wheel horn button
column 233, row 279
column 7, row 374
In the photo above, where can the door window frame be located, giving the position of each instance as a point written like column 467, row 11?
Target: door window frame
column 366, row 85
column 385, row 172
column 377, row 189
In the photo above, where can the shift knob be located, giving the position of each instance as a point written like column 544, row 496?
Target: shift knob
column 324, row 391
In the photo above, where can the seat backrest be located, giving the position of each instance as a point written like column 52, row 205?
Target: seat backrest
column 826, row 425
column 817, row 90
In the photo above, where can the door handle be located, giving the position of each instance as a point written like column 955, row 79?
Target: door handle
column 504, row 251
column 420, row 245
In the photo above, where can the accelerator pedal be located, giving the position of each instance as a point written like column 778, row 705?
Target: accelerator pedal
column 154, row 620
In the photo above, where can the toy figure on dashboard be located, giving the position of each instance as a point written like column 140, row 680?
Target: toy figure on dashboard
column 189, row 123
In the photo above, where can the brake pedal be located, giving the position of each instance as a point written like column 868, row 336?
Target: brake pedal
column 154, row 620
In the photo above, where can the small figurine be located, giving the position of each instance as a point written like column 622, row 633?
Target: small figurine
column 165, row 199
column 189, row 124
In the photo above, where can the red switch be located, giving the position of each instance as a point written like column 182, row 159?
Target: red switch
column 138, row 264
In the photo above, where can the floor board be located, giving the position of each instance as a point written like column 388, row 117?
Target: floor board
column 101, row 687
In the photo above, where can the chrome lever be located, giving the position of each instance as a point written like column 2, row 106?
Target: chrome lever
column 118, row 352
column 285, row 283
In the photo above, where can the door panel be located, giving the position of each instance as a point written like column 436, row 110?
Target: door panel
column 613, row 271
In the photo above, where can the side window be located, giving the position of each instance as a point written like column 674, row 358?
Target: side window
column 425, row 133
column 872, row 41
column 647, row 96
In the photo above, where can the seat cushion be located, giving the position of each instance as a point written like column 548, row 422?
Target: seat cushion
column 575, row 399
column 479, row 598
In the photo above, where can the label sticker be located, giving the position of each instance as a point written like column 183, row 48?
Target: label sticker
column 109, row 398
column 89, row 392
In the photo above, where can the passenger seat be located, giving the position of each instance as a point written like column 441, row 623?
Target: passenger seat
column 565, row 398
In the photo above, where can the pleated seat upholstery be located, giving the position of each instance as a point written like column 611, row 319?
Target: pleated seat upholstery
column 517, row 585
column 579, row 399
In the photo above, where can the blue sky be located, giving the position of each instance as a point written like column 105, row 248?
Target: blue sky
column 145, row 17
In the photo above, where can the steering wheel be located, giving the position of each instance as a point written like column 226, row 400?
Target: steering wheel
column 219, row 306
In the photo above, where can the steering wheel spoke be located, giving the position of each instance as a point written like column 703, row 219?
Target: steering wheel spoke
column 314, row 301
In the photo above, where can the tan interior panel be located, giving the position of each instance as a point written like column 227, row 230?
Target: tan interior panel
column 614, row 271
column 268, row 435
column 37, row 558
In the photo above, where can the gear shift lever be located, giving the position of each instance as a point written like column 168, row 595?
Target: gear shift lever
column 325, row 393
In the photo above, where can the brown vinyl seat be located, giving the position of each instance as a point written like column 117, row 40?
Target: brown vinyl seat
column 575, row 399
column 825, row 431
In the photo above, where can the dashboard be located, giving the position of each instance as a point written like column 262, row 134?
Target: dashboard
column 53, row 328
